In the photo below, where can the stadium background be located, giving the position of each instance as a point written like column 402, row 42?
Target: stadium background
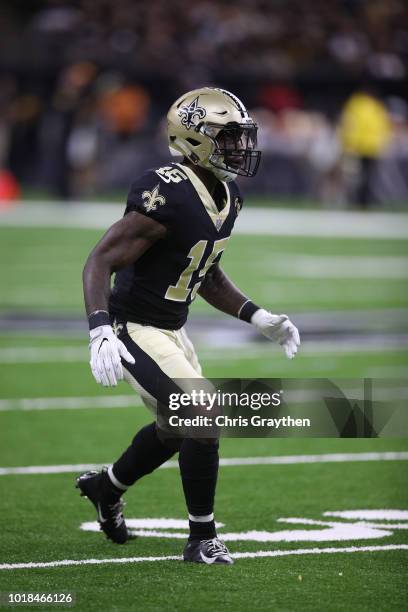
column 84, row 88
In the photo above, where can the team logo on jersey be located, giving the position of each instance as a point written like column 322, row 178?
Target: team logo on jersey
column 153, row 199
column 238, row 204
column 117, row 328
column 191, row 113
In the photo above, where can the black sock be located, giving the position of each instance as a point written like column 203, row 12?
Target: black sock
column 202, row 531
column 145, row 454
column 199, row 469
column 110, row 493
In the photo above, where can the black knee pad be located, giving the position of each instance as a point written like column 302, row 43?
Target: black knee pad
column 173, row 444
column 211, row 443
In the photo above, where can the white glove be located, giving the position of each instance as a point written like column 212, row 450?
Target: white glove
column 106, row 351
column 278, row 328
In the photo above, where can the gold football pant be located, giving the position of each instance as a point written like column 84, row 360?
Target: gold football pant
column 160, row 355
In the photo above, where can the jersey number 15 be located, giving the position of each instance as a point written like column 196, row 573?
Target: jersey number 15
column 180, row 292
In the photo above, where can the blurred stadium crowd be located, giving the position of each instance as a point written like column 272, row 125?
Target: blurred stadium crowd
column 85, row 85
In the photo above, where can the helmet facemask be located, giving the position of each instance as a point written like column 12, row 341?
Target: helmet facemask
column 234, row 151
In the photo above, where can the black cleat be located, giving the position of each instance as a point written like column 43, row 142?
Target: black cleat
column 110, row 517
column 207, row 551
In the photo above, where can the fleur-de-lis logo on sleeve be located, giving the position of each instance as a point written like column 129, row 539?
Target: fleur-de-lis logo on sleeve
column 153, row 199
column 191, row 113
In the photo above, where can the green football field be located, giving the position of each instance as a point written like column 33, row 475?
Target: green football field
column 274, row 496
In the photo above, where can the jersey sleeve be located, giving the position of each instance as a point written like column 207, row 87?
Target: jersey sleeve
column 151, row 197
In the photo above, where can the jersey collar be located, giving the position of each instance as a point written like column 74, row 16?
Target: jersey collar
column 217, row 216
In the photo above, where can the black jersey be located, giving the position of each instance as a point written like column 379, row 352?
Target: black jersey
column 159, row 287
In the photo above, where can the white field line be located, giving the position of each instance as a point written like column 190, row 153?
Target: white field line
column 303, row 265
column 69, row 403
column 379, row 394
column 321, row 223
column 322, row 458
column 44, row 354
column 308, row 348
column 252, row 220
column 30, row 354
column 298, row 396
column 387, row 372
column 338, row 266
column 242, row 555
column 224, row 462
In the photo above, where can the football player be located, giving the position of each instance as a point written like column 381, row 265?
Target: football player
column 164, row 251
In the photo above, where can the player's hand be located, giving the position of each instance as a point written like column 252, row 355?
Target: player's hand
column 106, row 352
column 278, row 328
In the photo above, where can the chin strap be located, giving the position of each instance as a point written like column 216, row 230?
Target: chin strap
column 223, row 175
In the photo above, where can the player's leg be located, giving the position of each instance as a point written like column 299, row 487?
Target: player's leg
column 153, row 350
column 199, row 461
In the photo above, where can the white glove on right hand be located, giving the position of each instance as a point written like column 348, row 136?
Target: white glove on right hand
column 106, row 351
column 279, row 329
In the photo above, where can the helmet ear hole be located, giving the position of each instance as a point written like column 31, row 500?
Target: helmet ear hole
column 194, row 142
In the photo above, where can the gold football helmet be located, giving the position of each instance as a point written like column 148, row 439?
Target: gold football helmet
column 211, row 127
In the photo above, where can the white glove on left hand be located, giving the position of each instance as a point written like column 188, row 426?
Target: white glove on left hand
column 106, row 351
column 278, row 328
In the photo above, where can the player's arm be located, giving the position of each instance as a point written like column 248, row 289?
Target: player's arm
column 219, row 291
column 122, row 245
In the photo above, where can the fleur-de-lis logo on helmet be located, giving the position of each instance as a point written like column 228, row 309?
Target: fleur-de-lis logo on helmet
column 153, row 199
column 191, row 113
